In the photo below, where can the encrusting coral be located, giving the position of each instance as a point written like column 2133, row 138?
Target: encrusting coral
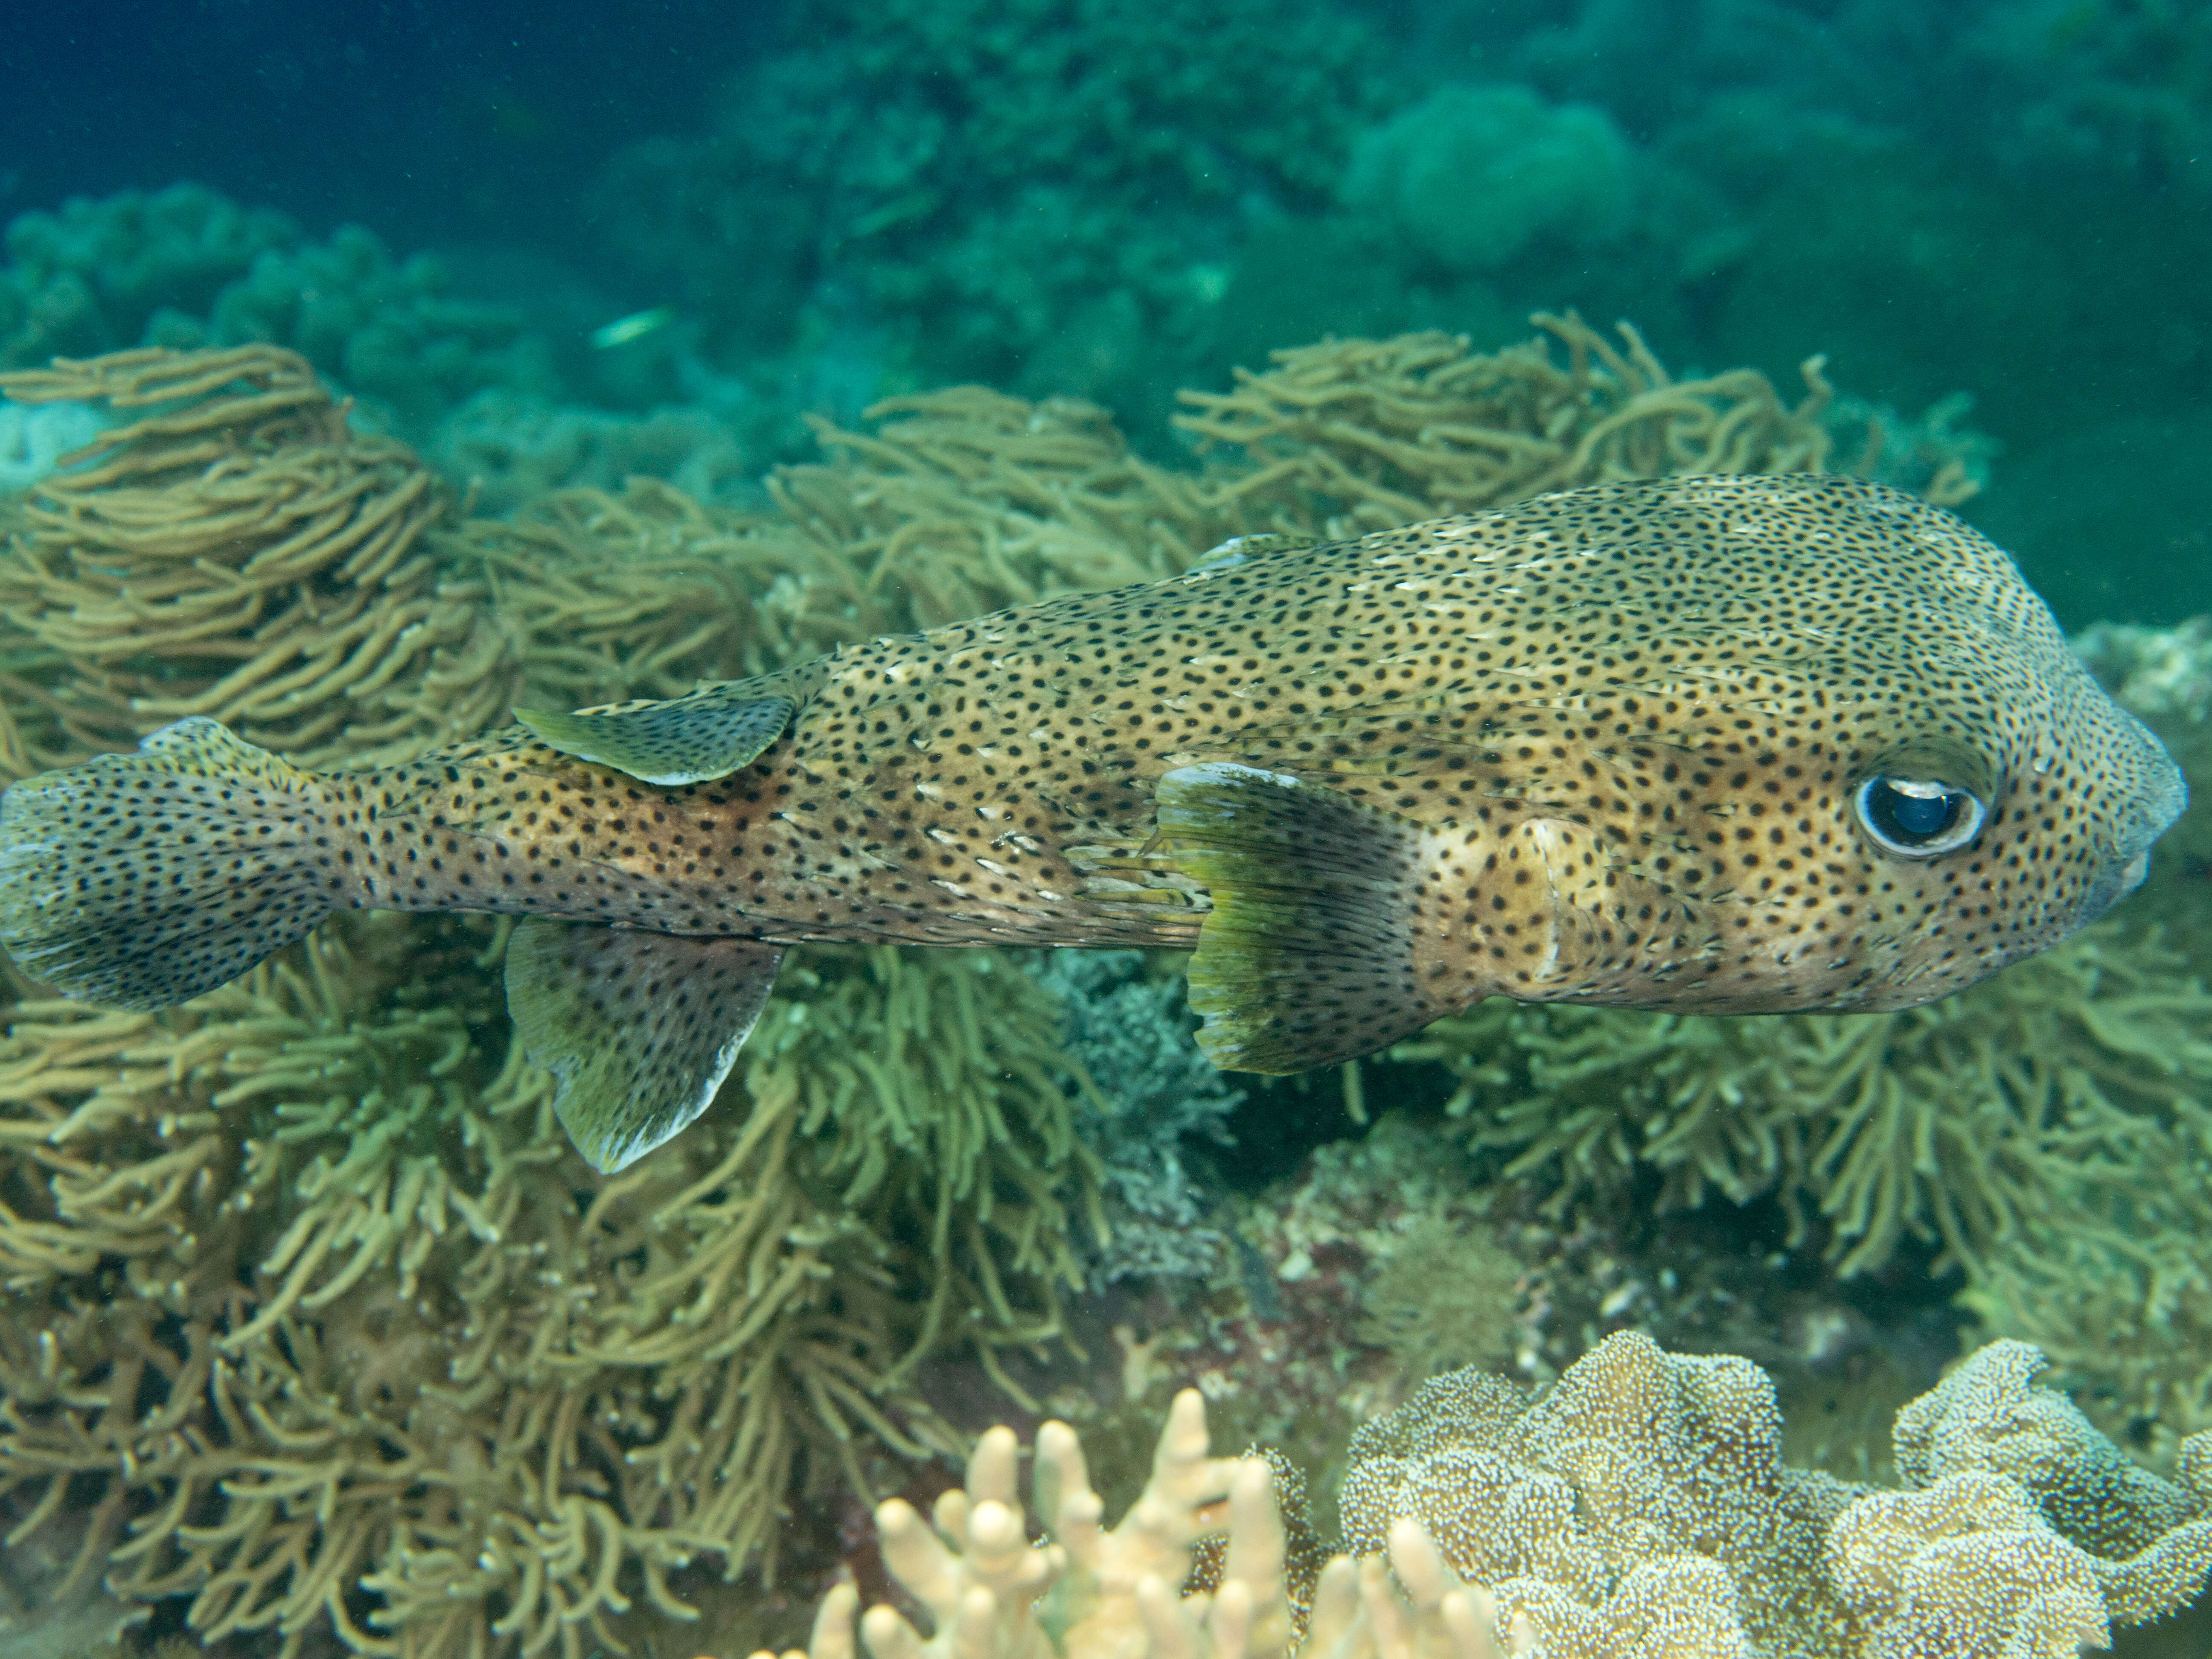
column 1637, row 1509
column 1641, row 1507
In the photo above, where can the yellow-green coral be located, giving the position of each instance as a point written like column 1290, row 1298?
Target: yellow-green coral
column 1442, row 1300
column 1355, row 435
column 414, row 1371
column 2066, row 1093
column 237, row 552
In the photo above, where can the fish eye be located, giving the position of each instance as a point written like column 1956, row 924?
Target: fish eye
column 1917, row 817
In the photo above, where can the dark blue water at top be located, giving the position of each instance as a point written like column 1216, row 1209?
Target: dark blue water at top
column 2006, row 199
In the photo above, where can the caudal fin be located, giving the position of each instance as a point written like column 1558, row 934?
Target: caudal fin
column 141, row 880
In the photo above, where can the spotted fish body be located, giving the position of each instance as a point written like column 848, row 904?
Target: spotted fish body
column 1656, row 744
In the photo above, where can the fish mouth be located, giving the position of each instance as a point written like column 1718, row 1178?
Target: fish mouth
column 2138, row 867
column 2114, row 883
column 2162, row 803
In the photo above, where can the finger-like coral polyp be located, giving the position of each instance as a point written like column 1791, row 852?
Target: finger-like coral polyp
column 1638, row 1509
column 1084, row 1592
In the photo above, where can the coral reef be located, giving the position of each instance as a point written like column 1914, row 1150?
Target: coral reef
column 1639, row 1507
column 90, row 278
column 2109, row 90
column 387, row 329
column 305, row 1315
column 320, row 1331
column 186, row 268
column 1091, row 1591
column 962, row 502
column 1039, row 196
column 241, row 552
column 2064, row 1097
column 1132, row 1034
column 236, row 551
column 1048, row 199
column 308, row 1303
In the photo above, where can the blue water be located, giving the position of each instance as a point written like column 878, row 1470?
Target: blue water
column 2008, row 200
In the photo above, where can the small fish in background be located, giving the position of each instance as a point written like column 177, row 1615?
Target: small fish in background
column 636, row 326
column 1715, row 744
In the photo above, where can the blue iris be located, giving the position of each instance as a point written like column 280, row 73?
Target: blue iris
column 1921, row 814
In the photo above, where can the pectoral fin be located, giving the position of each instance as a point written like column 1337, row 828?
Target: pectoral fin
column 639, row 1029
column 689, row 739
column 1311, row 954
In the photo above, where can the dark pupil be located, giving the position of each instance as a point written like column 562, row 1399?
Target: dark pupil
column 1919, row 816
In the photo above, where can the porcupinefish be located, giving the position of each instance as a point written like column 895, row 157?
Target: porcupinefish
column 1721, row 744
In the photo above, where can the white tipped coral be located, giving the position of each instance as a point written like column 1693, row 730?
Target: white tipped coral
column 1091, row 1593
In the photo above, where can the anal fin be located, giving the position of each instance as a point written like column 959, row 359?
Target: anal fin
column 708, row 734
column 639, row 1029
column 1311, row 953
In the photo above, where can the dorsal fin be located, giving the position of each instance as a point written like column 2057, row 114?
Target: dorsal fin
column 706, row 734
column 1237, row 549
column 638, row 1028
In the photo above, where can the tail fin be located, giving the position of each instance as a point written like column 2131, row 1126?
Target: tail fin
column 140, row 881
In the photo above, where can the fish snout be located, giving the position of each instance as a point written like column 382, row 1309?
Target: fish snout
column 2160, row 797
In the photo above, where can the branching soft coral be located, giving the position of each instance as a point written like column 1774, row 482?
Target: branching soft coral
column 236, row 551
column 1354, row 436
column 2062, row 1096
column 304, row 1290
